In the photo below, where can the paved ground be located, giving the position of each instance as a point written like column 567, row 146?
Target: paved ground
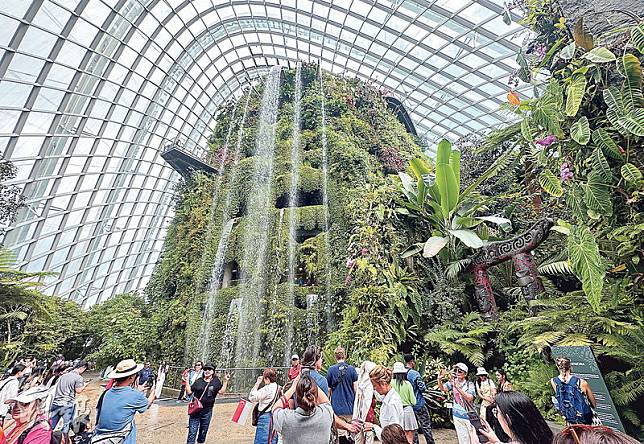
column 166, row 423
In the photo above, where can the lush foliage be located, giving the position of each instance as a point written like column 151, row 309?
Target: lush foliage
column 10, row 198
column 34, row 324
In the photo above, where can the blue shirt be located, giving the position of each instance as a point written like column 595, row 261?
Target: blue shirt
column 120, row 404
column 458, row 407
column 320, row 380
column 419, row 387
column 341, row 377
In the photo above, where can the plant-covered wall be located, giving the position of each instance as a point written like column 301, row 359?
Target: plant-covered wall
column 363, row 142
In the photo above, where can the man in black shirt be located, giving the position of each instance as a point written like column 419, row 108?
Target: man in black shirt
column 205, row 389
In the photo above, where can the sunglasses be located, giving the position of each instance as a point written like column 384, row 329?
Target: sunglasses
column 458, row 370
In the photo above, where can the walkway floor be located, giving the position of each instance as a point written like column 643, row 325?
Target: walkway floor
column 166, row 423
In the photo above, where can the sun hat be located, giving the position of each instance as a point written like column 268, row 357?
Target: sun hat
column 126, row 367
column 399, row 367
column 29, row 395
column 481, row 372
column 462, row 367
column 208, row 365
column 295, row 357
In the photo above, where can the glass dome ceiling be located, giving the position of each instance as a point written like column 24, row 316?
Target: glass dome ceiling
column 91, row 90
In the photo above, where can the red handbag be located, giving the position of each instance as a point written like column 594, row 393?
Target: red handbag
column 195, row 406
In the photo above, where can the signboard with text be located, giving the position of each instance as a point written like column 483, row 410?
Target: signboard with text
column 585, row 366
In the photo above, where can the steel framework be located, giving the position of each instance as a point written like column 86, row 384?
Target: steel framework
column 92, row 90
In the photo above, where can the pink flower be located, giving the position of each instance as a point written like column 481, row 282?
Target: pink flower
column 347, row 280
column 364, row 251
column 546, row 141
column 351, row 262
column 565, row 173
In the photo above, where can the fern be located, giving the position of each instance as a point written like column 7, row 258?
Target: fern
column 558, row 268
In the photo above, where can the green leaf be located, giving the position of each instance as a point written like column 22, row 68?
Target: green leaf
column 599, row 55
column 582, row 38
column 550, row 183
column 575, row 200
column 580, row 131
column 633, row 122
column 586, row 263
column 434, row 245
column 468, row 237
column 445, row 178
column 637, row 35
column 575, row 94
column 568, row 52
column 455, row 163
column 629, row 66
column 412, row 250
column 596, row 195
column 631, row 173
column 603, row 140
column 526, row 130
column 600, row 165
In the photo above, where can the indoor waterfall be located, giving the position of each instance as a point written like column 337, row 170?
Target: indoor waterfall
column 217, row 273
column 203, row 348
column 256, row 236
column 228, row 339
column 296, row 163
column 325, row 203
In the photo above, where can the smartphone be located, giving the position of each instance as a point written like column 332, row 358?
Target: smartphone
column 475, row 420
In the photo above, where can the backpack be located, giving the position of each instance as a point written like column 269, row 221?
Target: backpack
column 56, row 436
column 572, row 402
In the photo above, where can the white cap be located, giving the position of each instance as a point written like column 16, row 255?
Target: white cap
column 462, row 367
column 295, row 357
column 29, row 395
column 399, row 367
column 481, row 371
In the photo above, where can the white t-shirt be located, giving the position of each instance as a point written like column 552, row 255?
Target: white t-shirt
column 264, row 396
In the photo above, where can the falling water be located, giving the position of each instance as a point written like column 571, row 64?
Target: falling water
column 311, row 318
column 275, row 306
column 228, row 340
column 217, row 273
column 256, row 234
column 293, row 213
column 325, row 202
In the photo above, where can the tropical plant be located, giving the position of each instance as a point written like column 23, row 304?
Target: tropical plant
column 466, row 337
column 436, row 197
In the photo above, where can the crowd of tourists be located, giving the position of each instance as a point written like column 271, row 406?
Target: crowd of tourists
column 371, row 402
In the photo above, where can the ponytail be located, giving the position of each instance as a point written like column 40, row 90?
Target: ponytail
column 306, row 393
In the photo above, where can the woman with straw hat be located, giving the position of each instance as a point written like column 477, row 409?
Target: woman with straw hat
column 117, row 406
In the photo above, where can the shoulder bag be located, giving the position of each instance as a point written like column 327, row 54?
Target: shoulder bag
column 117, row 437
column 195, row 406
column 257, row 413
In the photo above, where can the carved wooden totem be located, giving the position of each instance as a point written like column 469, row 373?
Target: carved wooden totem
column 518, row 250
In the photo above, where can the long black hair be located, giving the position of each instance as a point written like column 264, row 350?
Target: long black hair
column 523, row 418
column 399, row 379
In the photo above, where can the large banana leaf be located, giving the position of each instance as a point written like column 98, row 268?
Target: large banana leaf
column 421, row 169
column 455, row 163
column 445, row 178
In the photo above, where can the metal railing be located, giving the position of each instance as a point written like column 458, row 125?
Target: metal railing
column 241, row 382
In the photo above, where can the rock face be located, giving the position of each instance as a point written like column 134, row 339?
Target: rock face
column 602, row 15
